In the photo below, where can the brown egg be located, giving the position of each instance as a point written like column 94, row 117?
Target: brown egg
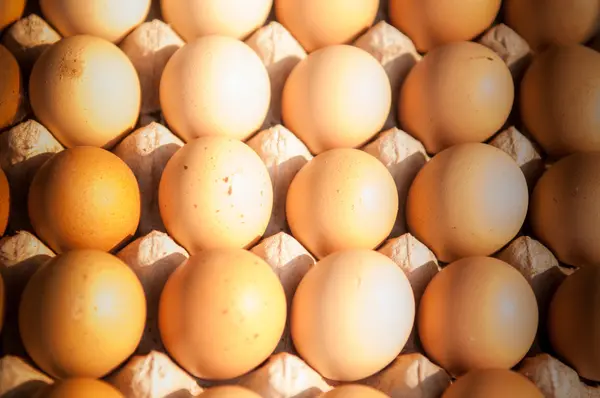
column 467, row 191
column 229, row 392
column 84, row 198
column 317, row 24
column 222, row 313
column 85, row 91
column 432, row 23
column 2, row 299
column 215, row 85
column 553, row 21
column 4, row 202
column 80, row 388
column 492, row 383
column 477, row 313
column 565, row 209
column 109, row 19
column 559, row 99
column 215, row 192
column 10, row 12
column 573, row 322
column 354, row 391
column 342, row 199
column 82, row 314
column 460, row 92
column 352, row 314
column 232, row 18
column 10, row 87
column 338, row 97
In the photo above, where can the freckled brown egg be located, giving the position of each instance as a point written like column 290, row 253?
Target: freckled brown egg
column 431, row 23
column 4, row 202
column 222, row 313
column 565, row 209
column 477, row 313
column 82, row 314
column 10, row 12
column 215, row 192
column 354, row 391
column 338, row 97
column 317, row 23
column 80, row 388
column 109, row 19
column 342, row 199
column 560, row 98
column 10, row 88
column 553, row 21
column 84, row 198
column 215, row 85
column 469, row 200
column 229, row 392
column 492, row 383
column 460, row 92
column 232, row 18
column 573, row 322
column 85, row 91
column 352, row 314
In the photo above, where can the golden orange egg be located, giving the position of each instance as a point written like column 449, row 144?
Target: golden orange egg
column 82, row 314
column 10, row 12
column 354, row 391
column 222, row 313
column 492, row 383
column 338, row 97
column 229, row 392
column 80, row 388
column 4, row 202
column 84, row 198
column 85, row 91
column 10, row 87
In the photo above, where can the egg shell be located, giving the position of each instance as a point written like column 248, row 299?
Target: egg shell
column 573, row 319
column 84, row 198
column 4, row 202
column 80, row 305
column 10, row 12
column 231, row 18
column 317, row 24
column 215, row 192
column 342, row 199
column 490, row 316
column 215, row 85
column 338, row 97
column 10, row 88
column 222, row 313
column 111, row 20
column 492, row 383
column 354, row 391
column 19, row 379
column 460, row 92
column 433, row 23
column 352, row 314
column 511, row 47
column 556, row 22
column 81, row 388
column 465, row 191
column 229, row 392
column 85, row 91
column 559, row 96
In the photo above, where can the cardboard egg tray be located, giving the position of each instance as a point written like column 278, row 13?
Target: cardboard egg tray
column 153, row 255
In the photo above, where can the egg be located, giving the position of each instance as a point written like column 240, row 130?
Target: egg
column 109, row 19
column 432, row 23
column 222, row 313
column 460, row 92
column 82, row 314
column 215, row 192
column 2, row 305
column 562, row 116
column 469, row 200
column 490, row 316
column 10, row 12
column 572, row 322
column 215, row 85
column 354, row 391
column 565, row 209
column 10, row 87
column 80, row 388
column 352, row 314
column 492, row 383
column 4, row 202
column 232, row 18
column 553, row 21
column 342, row 199
column 84, row 198
column 229, row 392
column 85, row 91
column 337, row 97
column 317, row 24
